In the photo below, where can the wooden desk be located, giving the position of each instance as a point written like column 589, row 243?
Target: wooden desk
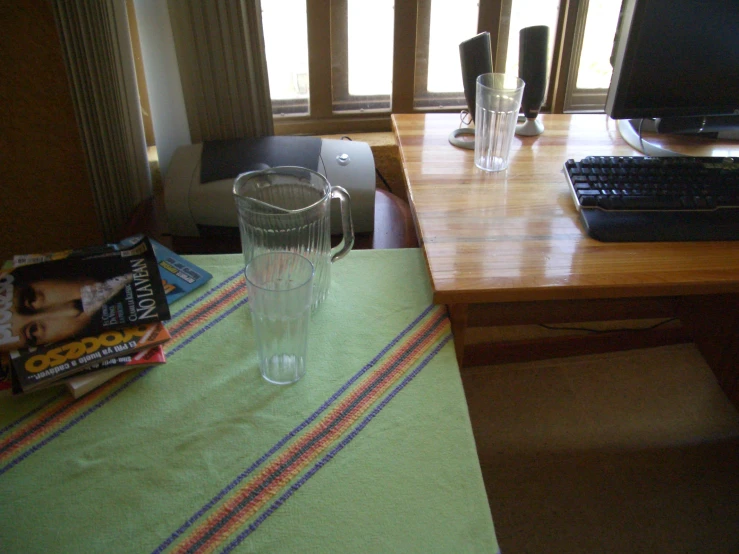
column 507, row 249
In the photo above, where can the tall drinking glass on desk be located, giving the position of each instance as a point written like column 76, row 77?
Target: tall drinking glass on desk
column 289, row 209
column 280, row 286
column 498, row 101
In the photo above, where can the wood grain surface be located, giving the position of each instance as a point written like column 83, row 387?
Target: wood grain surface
column 515, row 235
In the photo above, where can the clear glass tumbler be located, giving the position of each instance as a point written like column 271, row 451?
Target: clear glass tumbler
column 497, row 103
column 280, row 286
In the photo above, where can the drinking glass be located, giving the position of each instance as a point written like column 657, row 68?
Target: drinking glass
column 280, row 286
column 498, row 101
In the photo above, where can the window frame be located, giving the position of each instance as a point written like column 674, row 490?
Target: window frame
column 327, row 18
column 581, row 100
column 342, row 101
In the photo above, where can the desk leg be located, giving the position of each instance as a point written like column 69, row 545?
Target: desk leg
column 458, row 315
column 713, row 322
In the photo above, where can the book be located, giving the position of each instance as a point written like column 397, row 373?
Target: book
column 84, row 293
column 40, row 367
column 87, row 380
column 179, row 276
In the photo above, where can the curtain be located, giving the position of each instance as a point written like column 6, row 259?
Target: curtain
column 223, row 68
column 97, row 53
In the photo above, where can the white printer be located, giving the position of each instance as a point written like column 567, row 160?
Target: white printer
column 198, row 188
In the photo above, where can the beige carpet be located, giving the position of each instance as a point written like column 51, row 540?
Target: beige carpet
column 630, row 452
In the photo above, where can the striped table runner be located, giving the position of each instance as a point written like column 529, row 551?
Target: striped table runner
column 201, row 455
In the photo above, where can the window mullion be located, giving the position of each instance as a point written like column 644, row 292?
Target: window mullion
column 339, row 50
column 319, row 57
column 562, row 61
column 494, row 17
column 489, row 19
column 423, row 22
column 404, row 55
column 577, row 39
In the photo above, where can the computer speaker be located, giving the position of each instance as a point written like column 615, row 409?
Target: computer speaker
column 532, row 68
column 476, row 57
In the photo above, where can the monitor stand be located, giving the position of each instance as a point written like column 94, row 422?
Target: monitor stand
column 632, row 130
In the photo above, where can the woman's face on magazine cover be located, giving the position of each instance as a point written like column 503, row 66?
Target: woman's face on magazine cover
column 46, row 294
column 48, row 311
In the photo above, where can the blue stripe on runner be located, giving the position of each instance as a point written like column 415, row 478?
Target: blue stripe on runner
column 290, row 435
column 328, row 457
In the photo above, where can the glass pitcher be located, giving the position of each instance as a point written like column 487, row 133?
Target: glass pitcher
column 289, row 208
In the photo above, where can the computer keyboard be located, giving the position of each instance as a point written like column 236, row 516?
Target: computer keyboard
column 635, row 198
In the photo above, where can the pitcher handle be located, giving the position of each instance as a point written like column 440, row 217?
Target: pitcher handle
column 347, row 226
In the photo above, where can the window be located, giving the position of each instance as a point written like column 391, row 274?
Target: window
column 340, row 65
column 442, row 25
column 362, row 55
column 590, row 73
column 287, row 60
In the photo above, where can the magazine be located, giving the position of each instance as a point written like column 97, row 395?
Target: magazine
column 150, row 356
column 179, row 276
column 91, row 378
column 80, row 295
column 36, row 368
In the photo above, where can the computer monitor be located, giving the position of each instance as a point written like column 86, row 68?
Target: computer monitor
column 675, row 68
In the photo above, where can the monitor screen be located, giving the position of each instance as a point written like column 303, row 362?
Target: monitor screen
column 675, row 58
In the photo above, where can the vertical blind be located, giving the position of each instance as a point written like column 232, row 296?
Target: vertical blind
column 97, row 52
column 223, row 68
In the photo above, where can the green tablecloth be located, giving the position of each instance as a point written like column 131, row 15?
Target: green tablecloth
column 372, row 451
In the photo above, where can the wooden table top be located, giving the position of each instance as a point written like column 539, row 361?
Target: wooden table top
column 516, row 236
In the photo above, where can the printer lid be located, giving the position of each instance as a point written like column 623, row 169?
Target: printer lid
column 226, row 159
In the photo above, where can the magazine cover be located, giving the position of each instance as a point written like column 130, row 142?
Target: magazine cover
column 96, row 375
column 51, row 301
column 180, row 276
column 40, row 367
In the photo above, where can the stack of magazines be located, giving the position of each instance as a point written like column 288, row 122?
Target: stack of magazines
column 80, row 317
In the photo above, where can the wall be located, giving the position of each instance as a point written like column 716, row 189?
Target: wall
column 47, row 201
